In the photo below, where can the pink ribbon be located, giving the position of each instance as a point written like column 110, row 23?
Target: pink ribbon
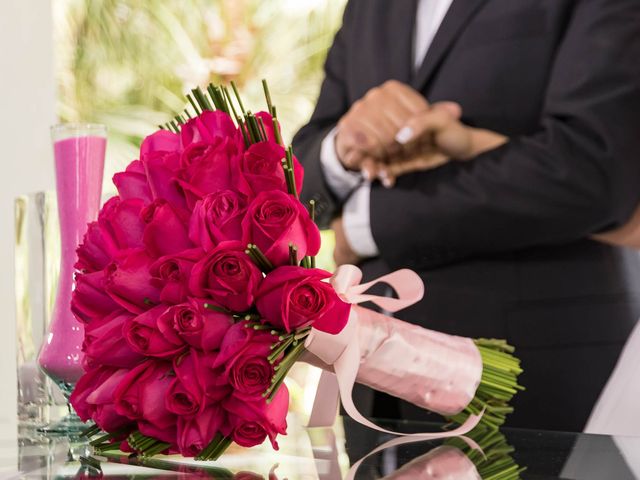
column 343, row 352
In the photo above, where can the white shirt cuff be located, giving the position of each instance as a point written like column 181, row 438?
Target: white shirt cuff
column 340, row 180
column 357, row 223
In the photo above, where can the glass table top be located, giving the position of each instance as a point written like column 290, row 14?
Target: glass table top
column 329, row 453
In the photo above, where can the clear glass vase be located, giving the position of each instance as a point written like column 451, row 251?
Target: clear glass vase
column 79, row 151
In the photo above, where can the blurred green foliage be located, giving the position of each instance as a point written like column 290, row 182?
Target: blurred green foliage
column 128, row 63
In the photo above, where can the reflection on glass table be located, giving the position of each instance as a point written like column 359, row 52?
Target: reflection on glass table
column 329, row 453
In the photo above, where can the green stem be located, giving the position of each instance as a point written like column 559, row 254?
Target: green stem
column 235, row 91
column 276, row 129
column 267, row 96
column 498, row 385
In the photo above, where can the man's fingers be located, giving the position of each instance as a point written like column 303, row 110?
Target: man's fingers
column 369, row 168
column 417, row 164
column 453, row 108
column 352, row 159
column 389, row 173
column 356, row 136
column 426, row 123
column 407, row 97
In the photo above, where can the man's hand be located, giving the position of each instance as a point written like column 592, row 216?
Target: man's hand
column 434, row 137
column 393, row 131
column 366, row 132
column 442, row 128
column 342, row 253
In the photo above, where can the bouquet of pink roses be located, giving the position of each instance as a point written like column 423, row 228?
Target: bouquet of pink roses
column 198, row 291
column 196, row 287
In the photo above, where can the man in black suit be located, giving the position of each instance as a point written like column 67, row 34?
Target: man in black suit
column 549, row 93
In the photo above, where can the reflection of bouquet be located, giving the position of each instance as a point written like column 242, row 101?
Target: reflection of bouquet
column 456, row 460
column 198, row 292
column 196, row 288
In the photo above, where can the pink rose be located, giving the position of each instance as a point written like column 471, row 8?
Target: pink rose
column 143, row 334
column 96, row 251
column 186, row 395
column 217, row 218
column 132, row 183
column 128, row 282
column 103, row 343
column 213, row 378
column 120, row 222
column 195, row 433
column 243, row 354
column 171, row 275
column 226, row 275
column 253, row 422
column 89, row 300
column 209, row 168
column 102, row 401
column 294, row 297
column 165, row 231
column 160, row 141
column 89, row 382
column 207, row 127
column 195, row 325
column 140, row 396
column 261, row 169
column 274, row 220
column 160, row 157
column 267, row 120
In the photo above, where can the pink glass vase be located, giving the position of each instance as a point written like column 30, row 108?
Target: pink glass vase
column 79, row 151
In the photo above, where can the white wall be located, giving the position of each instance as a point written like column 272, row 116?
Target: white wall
column 26, row 112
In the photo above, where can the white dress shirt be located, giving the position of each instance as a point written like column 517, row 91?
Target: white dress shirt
column 351, row 185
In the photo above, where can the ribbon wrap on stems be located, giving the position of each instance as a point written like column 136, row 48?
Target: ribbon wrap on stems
column 435, row 371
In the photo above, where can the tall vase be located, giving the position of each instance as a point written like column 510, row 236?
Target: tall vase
column 79, row 151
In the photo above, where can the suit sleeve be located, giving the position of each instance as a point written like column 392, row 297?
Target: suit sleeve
column 331, row 106
column 579, row 174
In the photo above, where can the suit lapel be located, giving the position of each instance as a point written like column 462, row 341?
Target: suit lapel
column 456, row 19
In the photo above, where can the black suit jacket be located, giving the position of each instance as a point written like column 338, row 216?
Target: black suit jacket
column 502, row 240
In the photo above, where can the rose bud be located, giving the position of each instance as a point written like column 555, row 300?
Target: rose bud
column 163, row 141
column 103, row 343
column 132, row 183
column 165, row 231
column 140, row 396
column 171, row 275
column 295, row 297
column 213, row 379
column 96, row 251
column 88, row 383
column 261, row 169
column 120, row 222
column 144, row 336
column 128, row 282
column 209, row 127
column 267, row 120
column 217, row 218
column 103, row 403
column 162, row 169
column 186, row 394
column 195, row 433
column 227, row 276
column 209, row 168
column 276, row 219
column 252, row 422
column 89, row 301
column 193, row 323
column 243, row 354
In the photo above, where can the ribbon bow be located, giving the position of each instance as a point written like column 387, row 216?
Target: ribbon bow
column 342, row 351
